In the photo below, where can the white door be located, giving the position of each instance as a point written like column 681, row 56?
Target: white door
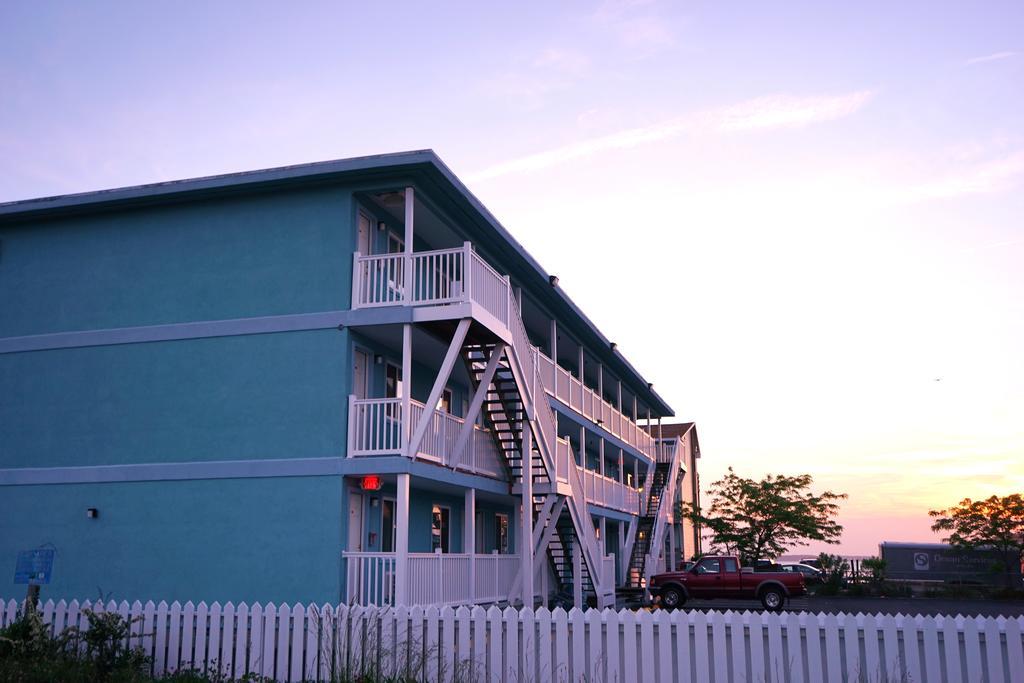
column 360, row 373
column 355, row 522
column 363, row 245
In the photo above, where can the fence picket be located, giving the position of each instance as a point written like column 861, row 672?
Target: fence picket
column 890, row 640
column 719, row 647
column 833, row 658
column 1014, row 649
column 700, row 646
column 932, row 660
column 758, row 663
column 298, row 640
column 871, row 667
column 993, row 651
column 794, row 647
column 212, row 662
column 548, row 671
column 188, row 615
column 812, row 627
column 611, row 652
column 495, row 663
column 911, row 647
column 201, row 635
column 479, row 640
column 664, row 623
column 47, row 614
column 577, row 634
column 60, row 617
column 851, row 645
column 629, row 648
column 776, row 654
column 242, row 636
column 174, row 637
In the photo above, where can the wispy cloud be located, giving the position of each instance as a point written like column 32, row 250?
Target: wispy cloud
column 986, row 177
column 763, row 113
column 995, row 56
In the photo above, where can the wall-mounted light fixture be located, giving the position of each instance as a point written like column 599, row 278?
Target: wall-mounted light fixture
column 382, row 226
column 553, row 279
column 92, row 513
column 612, row 345
column 378, row 359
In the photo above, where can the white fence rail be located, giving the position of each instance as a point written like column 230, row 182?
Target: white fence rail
column 296, row 643
column 604, row 491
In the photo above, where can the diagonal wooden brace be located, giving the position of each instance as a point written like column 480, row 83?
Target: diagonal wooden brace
column 435, row 393
column 474, row 407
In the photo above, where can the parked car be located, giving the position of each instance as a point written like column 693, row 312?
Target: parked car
column 811, row 575
column 719, row 576
column 812, row 562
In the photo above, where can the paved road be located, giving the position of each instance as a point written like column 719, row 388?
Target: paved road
column 923, row 606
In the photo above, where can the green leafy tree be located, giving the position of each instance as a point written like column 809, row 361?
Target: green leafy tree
column 996, row 523
column 766, row 518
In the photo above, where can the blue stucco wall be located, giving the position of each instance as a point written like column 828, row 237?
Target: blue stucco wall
column 258, row 396
column 235, row 257
column 228, row 539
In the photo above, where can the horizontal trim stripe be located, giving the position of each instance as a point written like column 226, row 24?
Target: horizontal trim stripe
column 299, row 322
column 246, row 469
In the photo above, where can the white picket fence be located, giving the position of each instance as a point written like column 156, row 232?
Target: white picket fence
column 444, row 644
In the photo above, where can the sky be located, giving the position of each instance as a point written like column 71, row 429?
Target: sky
column 802, row 223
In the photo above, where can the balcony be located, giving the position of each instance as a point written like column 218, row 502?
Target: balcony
column 452, row 276
column 569, row 390
column 375, row 427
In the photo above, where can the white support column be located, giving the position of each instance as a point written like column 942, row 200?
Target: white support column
column 671, row 564
column 526, row 556
column 469, row 537
column 402, row 540
column 600, row 454
column 600, row 380
column 579, row 362
column 408, row 277
column 406, row 385
column 622, row 472
column 553, row 347
column 583, row 447
column 577, row 575
column 619, row 391
column 622, row 548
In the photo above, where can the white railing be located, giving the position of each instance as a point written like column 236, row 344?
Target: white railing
column 376, row 428
column 606, row 492
column 442, row 277
column 433, row 578
column 584, row 400
column 337, row 642
column 369, row 578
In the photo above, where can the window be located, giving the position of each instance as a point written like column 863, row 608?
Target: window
column 393, row 381
column 439, row 529
column 501, row 533
column 730, row 564
column 444, row 404
column 708, row 566
column 387, row 526
column 396, row 245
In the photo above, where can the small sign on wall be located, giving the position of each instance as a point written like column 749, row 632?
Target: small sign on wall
column 34, row 567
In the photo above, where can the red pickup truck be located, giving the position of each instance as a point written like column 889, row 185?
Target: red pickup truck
column 721, row 577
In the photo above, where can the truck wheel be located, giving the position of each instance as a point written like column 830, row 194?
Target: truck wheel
column 672, row 598
column 772, row 599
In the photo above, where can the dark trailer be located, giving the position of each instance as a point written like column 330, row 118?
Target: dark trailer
column 941, row 562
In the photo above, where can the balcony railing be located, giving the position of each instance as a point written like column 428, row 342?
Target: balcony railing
column 587, row 402
column 606, row 492
column 375, row 427
column 460, row 275
column 433, row 578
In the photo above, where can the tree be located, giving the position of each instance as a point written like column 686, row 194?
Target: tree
column 754, row 519
column 995, row 523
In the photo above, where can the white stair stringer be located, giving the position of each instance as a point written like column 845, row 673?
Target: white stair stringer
column 665, row 504
column 523, row 362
